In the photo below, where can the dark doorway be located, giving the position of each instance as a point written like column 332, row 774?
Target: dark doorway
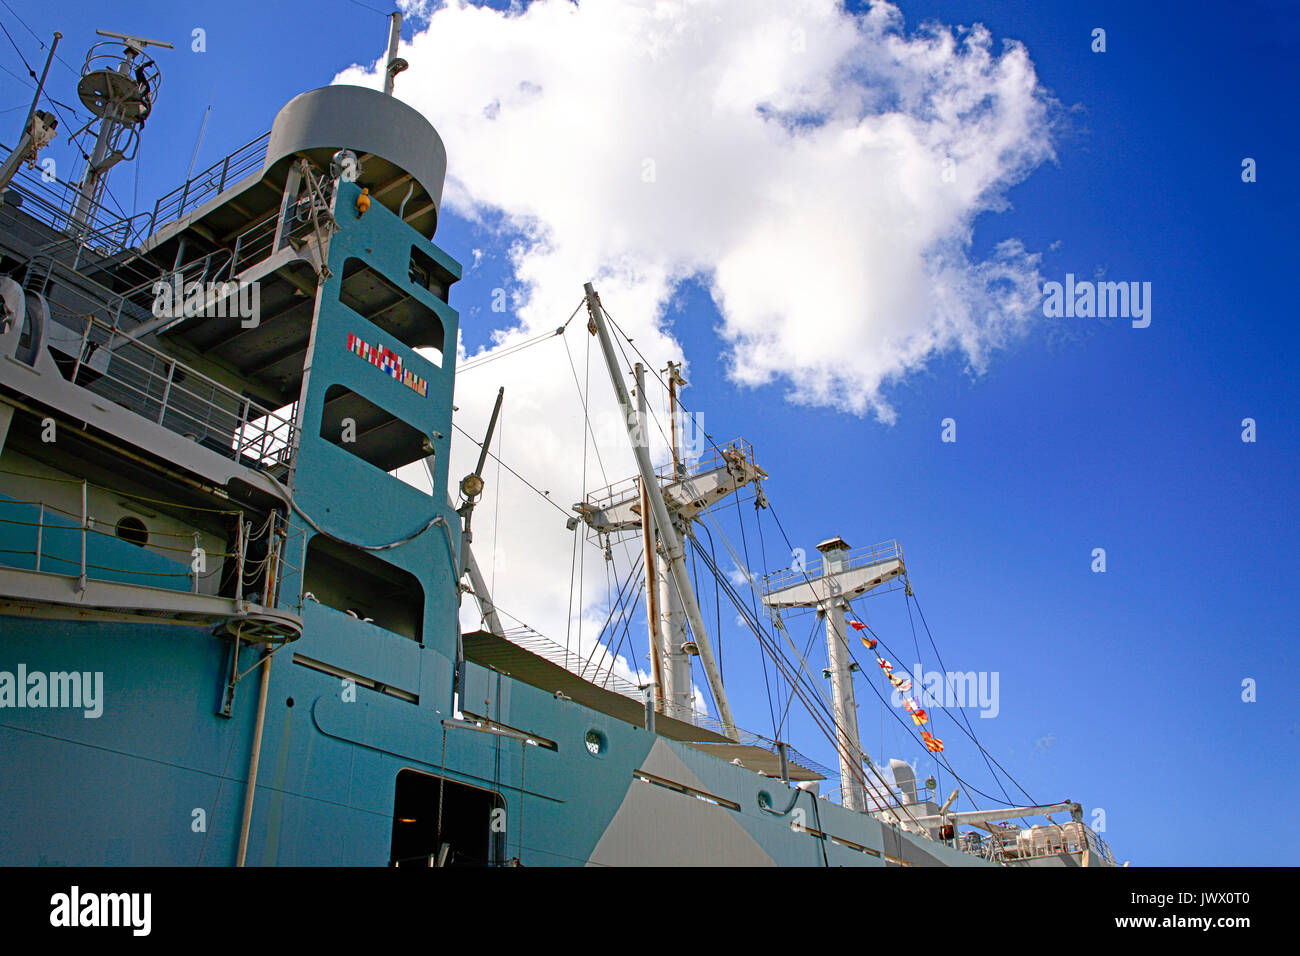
column 473, row 825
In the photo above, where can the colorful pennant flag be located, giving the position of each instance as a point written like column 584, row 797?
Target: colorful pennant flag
column 871, row 645
column 919, row 716
column 858, row 625
column 932, row 743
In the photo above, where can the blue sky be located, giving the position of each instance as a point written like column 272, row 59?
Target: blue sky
column 1122, row 690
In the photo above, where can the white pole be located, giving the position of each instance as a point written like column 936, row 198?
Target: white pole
column 677, row 662
column 667, row 533
column 394, row 35
column 846, row 709
column 651, row 568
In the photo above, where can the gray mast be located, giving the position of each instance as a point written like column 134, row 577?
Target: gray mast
column 667, row 533
column 120, row 90
column 676, row 645
column 393, row 64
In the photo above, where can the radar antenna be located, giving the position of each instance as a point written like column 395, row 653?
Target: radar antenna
column 119, row 88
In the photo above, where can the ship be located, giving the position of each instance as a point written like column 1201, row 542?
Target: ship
column 230, row 633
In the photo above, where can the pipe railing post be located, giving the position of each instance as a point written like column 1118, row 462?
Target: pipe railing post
column 167, row 391
column 40, row 533
column 241, row 546
column 302, row 572
column 81, row 352
column 85, row 527
column 195, row 555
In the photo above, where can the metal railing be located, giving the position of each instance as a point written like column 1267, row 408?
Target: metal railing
column 158, row 387
column 50, row 200
column 1010, row 846
column 210, row 182
column 716, row 457
column 596, row 673
column 85, row 326
column 857, row 558
column 603, row 675
column 254, row 576
column 53, row 523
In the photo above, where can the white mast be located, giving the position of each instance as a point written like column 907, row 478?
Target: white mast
column 672, row 545
column 840, row 662
column 678, row 701
column 653, row 623
column 840, row 579
column 677, row 650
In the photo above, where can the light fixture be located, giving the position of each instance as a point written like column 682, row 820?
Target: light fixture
column 471, row 486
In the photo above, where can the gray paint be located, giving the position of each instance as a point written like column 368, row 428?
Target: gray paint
column 364, row 121
column 702, row 834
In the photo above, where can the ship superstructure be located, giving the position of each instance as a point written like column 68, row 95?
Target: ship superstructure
column 202, row 408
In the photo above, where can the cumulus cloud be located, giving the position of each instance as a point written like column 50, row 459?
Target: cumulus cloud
column 818, row 171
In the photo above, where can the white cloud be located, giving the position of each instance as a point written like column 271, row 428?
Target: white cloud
column 791, row 156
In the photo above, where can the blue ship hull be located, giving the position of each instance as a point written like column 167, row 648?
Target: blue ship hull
column 159, row 779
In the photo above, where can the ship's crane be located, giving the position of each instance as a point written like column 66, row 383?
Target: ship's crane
column 662, row 504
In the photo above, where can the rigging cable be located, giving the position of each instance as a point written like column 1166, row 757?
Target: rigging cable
column 945, row 669
column 752, row 624
column 828, row 730
column 892, row 710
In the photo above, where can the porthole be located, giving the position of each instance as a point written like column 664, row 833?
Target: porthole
column 764, row 800
column 132, row 529
column 596, row 745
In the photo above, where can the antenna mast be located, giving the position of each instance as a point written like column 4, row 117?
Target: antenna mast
column 394, row 63
column 120, row 89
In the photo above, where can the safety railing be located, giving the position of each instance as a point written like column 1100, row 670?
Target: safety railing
column 158, row 387
column 259, row 575
column 603, row 675
column 210, row 182
column 50, row 200
column 1012, row 844
column 39, row 535
column 812, row 570
column 724, row 456
column 62, row 543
